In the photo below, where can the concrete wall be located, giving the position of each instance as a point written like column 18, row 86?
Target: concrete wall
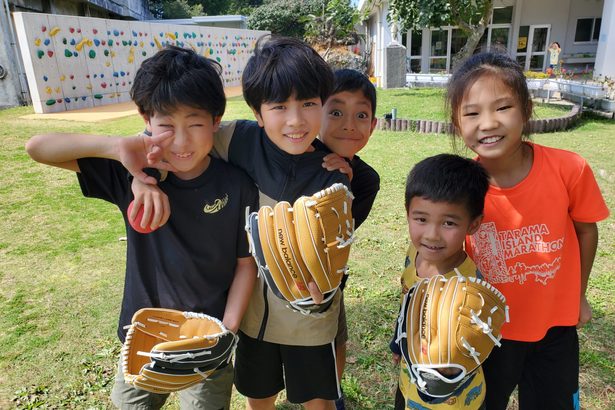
column 80, row 62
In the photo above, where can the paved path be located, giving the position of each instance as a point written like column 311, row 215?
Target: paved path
column 105, row 112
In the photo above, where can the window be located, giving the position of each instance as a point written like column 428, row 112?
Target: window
column 588, row 30
column 413, row 41
column 502, row 15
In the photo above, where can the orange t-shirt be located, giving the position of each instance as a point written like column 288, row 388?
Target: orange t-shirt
column 527, row 247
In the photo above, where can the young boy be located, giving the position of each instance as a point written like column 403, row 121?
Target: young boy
column 199, row 261
column 285, row 83
column 348, row 120
column 445, row 196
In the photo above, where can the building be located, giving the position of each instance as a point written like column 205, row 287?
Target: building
column 523, row 28
column 226, row 21
column 13, row 84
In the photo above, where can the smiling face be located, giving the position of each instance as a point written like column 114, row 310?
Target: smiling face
column 438, row 231
column 188, row 150
column 491, row 119
column 347, row 123
column 291, row 125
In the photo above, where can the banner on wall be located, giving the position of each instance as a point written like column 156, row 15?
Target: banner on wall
column 74, row 62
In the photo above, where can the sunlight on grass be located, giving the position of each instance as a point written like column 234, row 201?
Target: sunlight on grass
column 62, row 265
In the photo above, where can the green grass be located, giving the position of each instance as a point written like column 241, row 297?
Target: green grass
column 428, row 104
column 62, row 264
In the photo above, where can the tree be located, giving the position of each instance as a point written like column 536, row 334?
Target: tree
column 334, row 25
column 175, row 9
column 284, row 17
column 471, row 16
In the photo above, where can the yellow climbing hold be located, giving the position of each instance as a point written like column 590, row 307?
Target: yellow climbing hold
column 131, row 55
column 62, row 77
column 158, row 43
column 170, row 35
column 37, row 42
column 80, row 44
column 48, row 90
column 54, row 31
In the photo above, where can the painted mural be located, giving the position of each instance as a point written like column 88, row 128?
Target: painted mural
column 81, row 62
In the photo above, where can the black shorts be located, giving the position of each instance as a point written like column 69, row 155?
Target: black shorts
column 546, row 371
column 263, row 369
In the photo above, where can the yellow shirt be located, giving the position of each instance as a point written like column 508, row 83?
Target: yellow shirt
column 473, row 395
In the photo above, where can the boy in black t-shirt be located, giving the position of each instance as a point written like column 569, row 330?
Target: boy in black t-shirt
column 348, row 120
column 199, row 261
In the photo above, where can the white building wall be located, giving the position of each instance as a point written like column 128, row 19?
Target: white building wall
column 605, row 57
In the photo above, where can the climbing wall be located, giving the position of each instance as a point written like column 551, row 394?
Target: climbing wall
column 80, row 62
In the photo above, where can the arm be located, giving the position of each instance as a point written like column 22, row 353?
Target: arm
column 63, row 150
column 587, row 235
column 239, row 293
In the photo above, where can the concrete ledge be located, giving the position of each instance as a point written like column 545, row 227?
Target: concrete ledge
column 537, row 126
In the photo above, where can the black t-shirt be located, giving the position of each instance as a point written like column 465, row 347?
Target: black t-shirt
column 365, row 185
column 279, row 175
column 189, row 263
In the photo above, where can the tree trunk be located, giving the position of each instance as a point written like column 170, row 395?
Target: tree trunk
column 475, row 33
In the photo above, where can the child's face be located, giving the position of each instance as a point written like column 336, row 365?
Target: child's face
column 291, row 125
column 491, row 119
column 347, row 123
column 438, row 231
column 188, row 150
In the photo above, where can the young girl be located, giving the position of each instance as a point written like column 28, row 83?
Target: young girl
column 537, row 240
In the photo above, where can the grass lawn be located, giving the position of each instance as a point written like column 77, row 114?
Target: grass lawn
column 62, row 264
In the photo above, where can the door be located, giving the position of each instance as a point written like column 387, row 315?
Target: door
column 532, row 47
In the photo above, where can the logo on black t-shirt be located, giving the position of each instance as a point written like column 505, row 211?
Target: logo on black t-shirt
column 216, row 206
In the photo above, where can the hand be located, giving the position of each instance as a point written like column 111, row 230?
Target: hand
column 585, row 312
column 396, row 358
column 156, row 207
column 133, row 153
column 316, row 294
column 333, row 162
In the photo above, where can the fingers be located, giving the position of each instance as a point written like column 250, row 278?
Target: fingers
column 143, row 177
column 316, row 294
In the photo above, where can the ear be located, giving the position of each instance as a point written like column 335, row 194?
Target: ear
column 259, row 118
column 146, row 120
column 217, row 122
column 475, row 224
column 374, row 122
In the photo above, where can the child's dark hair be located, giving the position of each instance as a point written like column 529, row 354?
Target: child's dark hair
column 449, row 178
column 177, row 76
column 282, row 67
column 353, row 80
column 498, row 65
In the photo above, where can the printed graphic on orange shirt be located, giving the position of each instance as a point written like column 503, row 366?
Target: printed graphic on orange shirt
column 493, row 248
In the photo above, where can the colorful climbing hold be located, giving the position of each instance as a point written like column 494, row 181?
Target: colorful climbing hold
column 92, row 54
column 50, row 102
column 40, row 53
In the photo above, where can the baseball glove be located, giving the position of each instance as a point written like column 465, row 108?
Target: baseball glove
column 308, row 241
column 167, row 350
column 447, row 328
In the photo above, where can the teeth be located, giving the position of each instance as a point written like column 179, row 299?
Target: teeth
column 295, row 136
column 183, row 155
column 490, row 140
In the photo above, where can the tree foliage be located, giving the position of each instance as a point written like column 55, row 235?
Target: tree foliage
column 173, row 9
column 471, row 16
column 284, row 17
column 334, row 25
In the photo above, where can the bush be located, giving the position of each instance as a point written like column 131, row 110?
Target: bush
column 284, row 17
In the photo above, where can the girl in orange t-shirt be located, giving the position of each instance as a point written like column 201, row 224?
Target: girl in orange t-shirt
column 537, row 240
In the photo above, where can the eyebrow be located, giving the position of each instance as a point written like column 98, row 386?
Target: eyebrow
column 340, row 101
column 496, row 102
column 452, row 216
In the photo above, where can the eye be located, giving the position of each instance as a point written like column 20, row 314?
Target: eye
column 196, row 125
column 450, row 224
column 504, row 108
column 470, row 114
column 309, row 104
column 363, row 115
column 336, row 113
column 165, row 125
column 419, row 219
column 277, row 107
